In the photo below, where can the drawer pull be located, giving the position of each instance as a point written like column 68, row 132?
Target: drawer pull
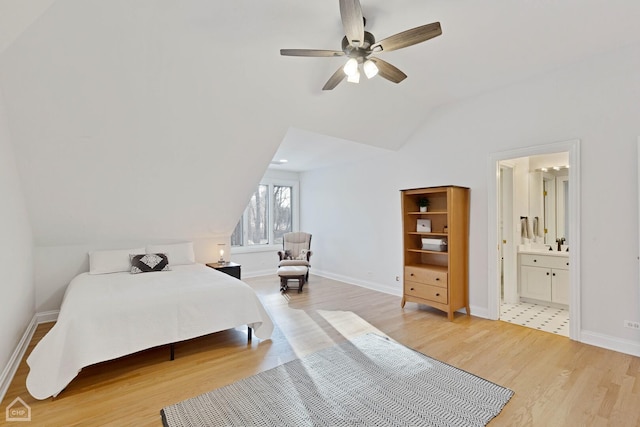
column 437, row 278
column 554, row 274
column 547, row 273
column 412, row 289
column 535, row 260
column 437, row 295
column 411, row 274
column 567, row 263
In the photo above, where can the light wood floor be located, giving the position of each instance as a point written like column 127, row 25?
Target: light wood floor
column 557, row 382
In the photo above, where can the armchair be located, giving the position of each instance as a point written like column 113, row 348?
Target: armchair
column 296, row 250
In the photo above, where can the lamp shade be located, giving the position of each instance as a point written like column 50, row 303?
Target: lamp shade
column 351, row 67
column 354, row 78
column 221, row 248
column 370, row 68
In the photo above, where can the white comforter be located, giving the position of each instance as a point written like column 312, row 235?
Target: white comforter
column 107, row 316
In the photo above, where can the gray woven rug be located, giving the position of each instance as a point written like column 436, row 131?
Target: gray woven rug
column 369, row 381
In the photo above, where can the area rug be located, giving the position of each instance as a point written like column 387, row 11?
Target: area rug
column 368, row 381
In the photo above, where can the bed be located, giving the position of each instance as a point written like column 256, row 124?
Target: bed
column 106, row 316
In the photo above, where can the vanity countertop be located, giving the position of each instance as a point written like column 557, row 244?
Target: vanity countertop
column 541, row 252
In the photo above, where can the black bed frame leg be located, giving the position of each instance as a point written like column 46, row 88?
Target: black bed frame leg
column 249, row 333
column 173, row 351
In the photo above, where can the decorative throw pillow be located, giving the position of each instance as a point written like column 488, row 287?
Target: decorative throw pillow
column 303, row 254
column 287, row 254
column 146, row 263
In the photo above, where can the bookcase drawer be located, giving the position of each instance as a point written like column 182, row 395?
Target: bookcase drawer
column 428, row 292
column 426, row 276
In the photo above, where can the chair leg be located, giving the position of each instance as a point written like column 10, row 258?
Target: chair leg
column 300, row 283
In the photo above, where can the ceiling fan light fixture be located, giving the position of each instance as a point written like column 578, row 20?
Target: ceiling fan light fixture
column 357, row 44
column 354, row 78
column 351, row 67
column 370, row 68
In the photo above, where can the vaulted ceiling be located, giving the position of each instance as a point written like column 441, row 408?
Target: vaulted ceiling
column 225, row 55
column 198, row 88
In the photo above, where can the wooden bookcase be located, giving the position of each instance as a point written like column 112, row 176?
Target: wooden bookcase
column 437, row 278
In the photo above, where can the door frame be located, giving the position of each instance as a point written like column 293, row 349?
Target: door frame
column 493, row 252
column 509, row 267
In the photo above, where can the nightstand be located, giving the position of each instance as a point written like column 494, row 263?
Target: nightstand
column 230, row 268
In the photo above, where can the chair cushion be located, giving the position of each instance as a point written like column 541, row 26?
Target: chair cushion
column 293, row 262
column 292, row 271
column 295, row 242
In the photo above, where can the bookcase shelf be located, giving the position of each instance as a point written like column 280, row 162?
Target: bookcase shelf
column 437, row 278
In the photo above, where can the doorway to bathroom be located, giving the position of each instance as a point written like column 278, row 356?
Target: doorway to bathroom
column 533, row 230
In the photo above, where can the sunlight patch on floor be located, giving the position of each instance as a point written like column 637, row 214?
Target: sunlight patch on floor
column 349, row 324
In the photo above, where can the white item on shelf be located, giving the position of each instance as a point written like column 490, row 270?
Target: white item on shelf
column 439, row 245
column 423, row 226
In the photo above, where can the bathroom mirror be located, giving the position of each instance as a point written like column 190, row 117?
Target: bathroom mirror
column 549, row 201
column 549, row 197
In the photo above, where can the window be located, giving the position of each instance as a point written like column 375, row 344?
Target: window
column 272, row 211
column 257, row 214
column 281, row 212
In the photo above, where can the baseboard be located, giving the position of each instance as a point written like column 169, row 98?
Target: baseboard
column 345, row 279
column 362, row 283
column 479, row 311
column 610, row 343
column 14, row 361
column 47, row 316
column 20, row 350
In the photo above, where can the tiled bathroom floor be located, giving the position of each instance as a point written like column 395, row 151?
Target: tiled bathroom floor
column 537, row 316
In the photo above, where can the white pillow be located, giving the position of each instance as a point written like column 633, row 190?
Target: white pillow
column 102, row 262
column 178, row 253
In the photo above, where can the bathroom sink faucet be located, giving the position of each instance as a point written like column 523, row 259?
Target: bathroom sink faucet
column 560, row 241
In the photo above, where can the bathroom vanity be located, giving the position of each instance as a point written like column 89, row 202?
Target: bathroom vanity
column 544, row 276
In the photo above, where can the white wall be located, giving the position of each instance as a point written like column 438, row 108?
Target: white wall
column 259, row 262
column 120, row 134
column 56, row 265
column 132, row 136
column 355, row 209
column 354, row 214
column 17, row 294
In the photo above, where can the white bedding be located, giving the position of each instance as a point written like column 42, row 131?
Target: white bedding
column 107, row 316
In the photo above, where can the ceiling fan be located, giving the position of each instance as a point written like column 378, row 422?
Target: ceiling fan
column 359, row 45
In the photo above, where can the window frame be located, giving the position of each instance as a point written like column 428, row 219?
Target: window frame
column 295, row 216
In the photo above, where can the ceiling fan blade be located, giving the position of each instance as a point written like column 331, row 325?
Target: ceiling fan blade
column 334, row 80
column 352, row 21
column 388, row 71
column 311, row 52
column 408, row 38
